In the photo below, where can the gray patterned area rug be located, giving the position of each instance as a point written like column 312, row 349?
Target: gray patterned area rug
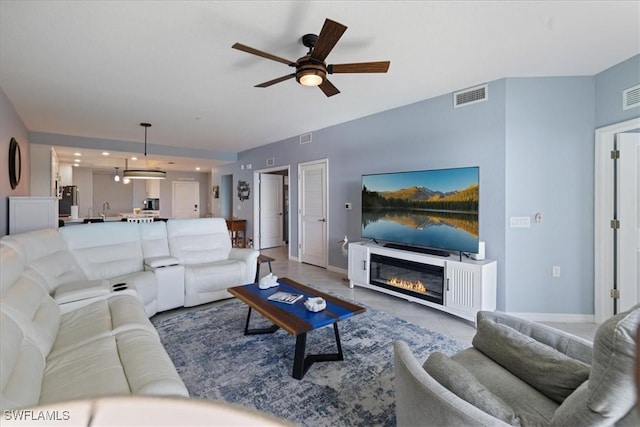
column 217, row 361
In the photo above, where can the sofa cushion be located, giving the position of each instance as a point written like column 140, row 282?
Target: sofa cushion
column 21, row 367
column 98, row 320
column 546, row 369
column 28, row 304
column 154, row 239
column 105, row 250
column 566, row 343
column 47, row 259
column 199, row 241
column 148, row 367
column 91, row 370
column 611, row 386
column 526, row 401
column 462, row 383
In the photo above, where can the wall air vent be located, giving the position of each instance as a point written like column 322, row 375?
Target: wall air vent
column 305, row 138
column 470, row 96
column 631, row 97
column 271, row 161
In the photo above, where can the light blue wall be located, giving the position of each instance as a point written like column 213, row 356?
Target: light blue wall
column 427, row 135
column 534, row 142
column 550, row 169
column 609, row 86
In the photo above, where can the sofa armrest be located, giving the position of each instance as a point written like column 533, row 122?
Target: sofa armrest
column 419, row 397
column 82, row 290
column 161, row 261
column 244, row 254
column 566, row 343
column 250, row 257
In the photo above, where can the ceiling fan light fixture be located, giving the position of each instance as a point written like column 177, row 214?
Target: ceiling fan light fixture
column 311, row 74
column 310, row 78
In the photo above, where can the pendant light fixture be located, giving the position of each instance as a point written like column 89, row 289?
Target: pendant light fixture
column 126, row 180
column 144, row 173
column 116, row 177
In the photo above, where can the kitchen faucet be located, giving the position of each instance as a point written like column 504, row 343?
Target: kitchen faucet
column 105, row 208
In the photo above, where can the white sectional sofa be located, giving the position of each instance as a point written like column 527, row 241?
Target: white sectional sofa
column 69, row 331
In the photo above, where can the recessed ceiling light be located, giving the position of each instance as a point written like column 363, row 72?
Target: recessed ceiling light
column 104, row 153
column 77, row 160
column 134, row 158
column 76, row 165
column 77, row 154
column 197, row 168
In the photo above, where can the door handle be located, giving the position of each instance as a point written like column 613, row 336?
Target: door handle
column 322, row 220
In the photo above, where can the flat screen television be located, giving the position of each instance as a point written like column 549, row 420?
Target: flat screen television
column 423, row 210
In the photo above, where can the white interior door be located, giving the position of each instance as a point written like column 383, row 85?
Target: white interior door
column 186, row 199
column 271, row 210
column 629, row 216
column 313, row 213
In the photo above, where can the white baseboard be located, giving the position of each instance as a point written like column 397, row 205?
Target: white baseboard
column 338, row 270
column 556, row 317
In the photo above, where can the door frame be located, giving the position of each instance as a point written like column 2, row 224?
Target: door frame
column 256, row 204
column 603, row 214
column 325, row 161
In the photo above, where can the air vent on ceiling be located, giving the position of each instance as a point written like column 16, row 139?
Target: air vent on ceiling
column 631, row 97
column 305, row 138
column 470, row 96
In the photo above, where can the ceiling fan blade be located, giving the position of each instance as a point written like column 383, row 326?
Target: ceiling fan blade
column 327, row 39
column 359, row 67
column 257, row 52
column 328, row 88
column 274, row 81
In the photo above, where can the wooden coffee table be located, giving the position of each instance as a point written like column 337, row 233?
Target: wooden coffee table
column 296, row 319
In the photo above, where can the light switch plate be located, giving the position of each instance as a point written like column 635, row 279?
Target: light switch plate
column 520, row 222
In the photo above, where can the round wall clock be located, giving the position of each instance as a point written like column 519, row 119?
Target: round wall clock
column 15, row 163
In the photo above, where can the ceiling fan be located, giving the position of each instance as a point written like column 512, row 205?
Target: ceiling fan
column 311, row 70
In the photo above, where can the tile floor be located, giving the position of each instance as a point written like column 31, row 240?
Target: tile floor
column 426, row 317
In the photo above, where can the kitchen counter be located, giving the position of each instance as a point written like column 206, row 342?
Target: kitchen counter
column 81, row 220
column 142, row 214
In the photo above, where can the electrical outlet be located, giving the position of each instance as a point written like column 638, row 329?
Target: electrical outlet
column 555, row 271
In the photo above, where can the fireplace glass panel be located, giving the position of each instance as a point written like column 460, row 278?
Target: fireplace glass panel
column 411, row 278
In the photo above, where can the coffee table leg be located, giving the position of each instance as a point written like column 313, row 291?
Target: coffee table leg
column 258, row 331
column 299, row 361
column 301, row 364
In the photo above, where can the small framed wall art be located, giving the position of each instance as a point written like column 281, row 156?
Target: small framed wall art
column 15, row 163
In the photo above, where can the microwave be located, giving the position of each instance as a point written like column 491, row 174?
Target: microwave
column 151, row 205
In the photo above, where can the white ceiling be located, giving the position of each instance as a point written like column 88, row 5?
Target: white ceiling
column 98, row 68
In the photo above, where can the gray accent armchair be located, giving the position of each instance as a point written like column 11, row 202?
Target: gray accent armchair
column 523, row 373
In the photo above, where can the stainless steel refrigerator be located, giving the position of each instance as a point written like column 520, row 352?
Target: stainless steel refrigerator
column 69, row 198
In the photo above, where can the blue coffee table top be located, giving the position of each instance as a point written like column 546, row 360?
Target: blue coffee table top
column 295, row 318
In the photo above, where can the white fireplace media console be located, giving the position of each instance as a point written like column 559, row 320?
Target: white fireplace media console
column 469, row 286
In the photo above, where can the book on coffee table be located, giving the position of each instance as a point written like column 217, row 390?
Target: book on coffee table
column 285, row 297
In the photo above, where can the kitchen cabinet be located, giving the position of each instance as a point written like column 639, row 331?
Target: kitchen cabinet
column 32, row 213
column 153, row 188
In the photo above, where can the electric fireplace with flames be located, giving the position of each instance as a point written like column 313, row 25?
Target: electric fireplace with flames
column 411, row 278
